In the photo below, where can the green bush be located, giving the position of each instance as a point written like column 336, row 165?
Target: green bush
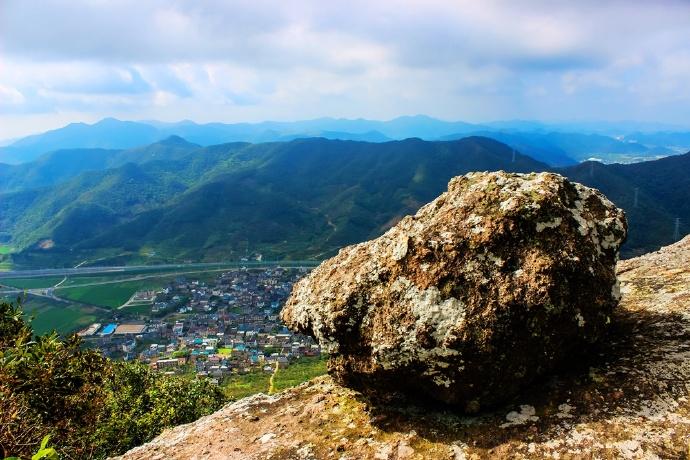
column 141, row 404
column 90, row 406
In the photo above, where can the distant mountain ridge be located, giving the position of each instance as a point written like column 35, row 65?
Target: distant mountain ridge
column 555, row 144
column 175, row 200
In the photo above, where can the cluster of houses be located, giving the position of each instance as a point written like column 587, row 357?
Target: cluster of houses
column 215, row 329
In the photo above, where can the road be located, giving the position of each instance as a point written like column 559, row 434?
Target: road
column 150, row 268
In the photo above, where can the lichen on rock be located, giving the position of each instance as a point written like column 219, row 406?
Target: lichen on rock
column 494, row 283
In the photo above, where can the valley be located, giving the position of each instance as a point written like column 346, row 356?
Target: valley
column 86, row 229
column 344, row 230
column 69, row 299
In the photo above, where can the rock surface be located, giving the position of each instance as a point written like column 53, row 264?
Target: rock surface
column 486, row 288
column 632, row 403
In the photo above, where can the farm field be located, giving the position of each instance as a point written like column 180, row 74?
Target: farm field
column 110, row 295
column 31, row 283
column 141, row 310
column 115, row 290
column 51, row 314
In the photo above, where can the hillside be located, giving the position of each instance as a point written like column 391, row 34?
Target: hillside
column 301, row 198
column 175, row 200
column 631, row 402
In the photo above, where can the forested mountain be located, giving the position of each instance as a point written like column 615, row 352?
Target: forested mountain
column 301, row 198
column 175, row 200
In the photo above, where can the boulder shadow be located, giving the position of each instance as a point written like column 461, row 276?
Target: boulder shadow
column 638, row 363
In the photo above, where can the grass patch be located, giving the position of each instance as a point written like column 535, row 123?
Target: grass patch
column 32, row 283
column 257, row 381
column 115, row 293
column 299, row 372
column 49, row 314
column 108, row 295
column 140, row 310
column 241, row 386
column 5, row 249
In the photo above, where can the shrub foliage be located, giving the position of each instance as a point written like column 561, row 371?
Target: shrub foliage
column 91, row 407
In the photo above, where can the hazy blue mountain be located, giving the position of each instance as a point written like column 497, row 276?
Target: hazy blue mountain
column 115, row 134
column 556, row 144
column 562, row 149
column 529, row 143
column 369, row 136
column 333, row 128
column 606, row 128
column 613, row 128
column 108, row 133
column 678, row 139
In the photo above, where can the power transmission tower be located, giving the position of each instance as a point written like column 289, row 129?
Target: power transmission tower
column 676, row 231
column 513, row 161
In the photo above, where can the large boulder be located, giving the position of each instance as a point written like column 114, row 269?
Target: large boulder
column 494, row 283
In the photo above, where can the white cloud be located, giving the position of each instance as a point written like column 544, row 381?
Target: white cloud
column 254, row 60
column 10, row 96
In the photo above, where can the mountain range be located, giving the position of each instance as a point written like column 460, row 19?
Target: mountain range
column 554, row 144
column 176, row 200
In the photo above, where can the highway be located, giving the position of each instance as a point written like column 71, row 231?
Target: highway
column 37, row 273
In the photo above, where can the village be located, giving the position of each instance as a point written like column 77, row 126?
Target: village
column 211, row 328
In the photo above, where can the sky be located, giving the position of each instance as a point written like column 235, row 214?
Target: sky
column 231, row 61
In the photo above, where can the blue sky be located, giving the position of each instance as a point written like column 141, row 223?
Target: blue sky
column 82, row 60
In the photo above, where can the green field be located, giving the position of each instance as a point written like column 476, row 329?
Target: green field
column 138, row 310
column 240, row 386
column 31, row 283
column 5, row 249
column 114, row 293
column 50, row 314
column 299, row 372
column 110, row 295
